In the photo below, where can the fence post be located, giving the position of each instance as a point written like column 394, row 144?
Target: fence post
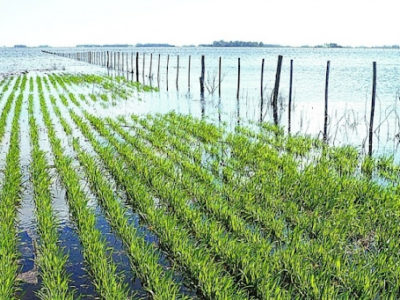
column 238, row 80
column 119, row 62
column 177, row 72
column 202, row 76
column 371, row 122
column 151, row 65
column 127, row 63
column 262, row 90
column 132, row 64
column 167, row 70
column 137, row 66
column 189, row 73
column 290, row 96
column 276, row 89
column 325, row 137
column 144, row 64
column 219, row 76
column 108, row 60
column 158, row 71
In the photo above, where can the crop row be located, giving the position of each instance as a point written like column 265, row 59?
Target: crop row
column 107, row 282
column 334, row 262
column 5, row 84
column 250, row 256
column 215, row 204
column 7, row 108
column 324, row 231
column 144, row 259
column 51, row 259
column 207, row 275
column 9, row 202
column 345, row 224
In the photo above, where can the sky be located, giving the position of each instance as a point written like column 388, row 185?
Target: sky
column 186, row 22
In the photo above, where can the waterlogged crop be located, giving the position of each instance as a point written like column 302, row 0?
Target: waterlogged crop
column 52, row 260
column 249, row 213
column 10, row 196
column 103, row 270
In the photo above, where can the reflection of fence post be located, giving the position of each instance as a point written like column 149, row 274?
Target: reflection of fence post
column 371, row 122
column 219, row 76
column 290, row 96
column 262, row 90
column 202, row 76
column 326, row 102
column 276, row 89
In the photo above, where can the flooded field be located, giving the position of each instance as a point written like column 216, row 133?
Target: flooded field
column 349, row 88
column 115, row 189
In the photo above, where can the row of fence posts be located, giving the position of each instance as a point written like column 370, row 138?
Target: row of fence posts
column 118, row 60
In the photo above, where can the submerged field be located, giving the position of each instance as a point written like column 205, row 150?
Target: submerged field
column 168, row 206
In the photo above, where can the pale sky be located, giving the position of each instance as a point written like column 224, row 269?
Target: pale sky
column 183, row 22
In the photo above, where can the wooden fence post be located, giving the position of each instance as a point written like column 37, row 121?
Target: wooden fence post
column 108, row 60
column 189, row 73
column 167, row 70
column 132, row 64
column 371, row 122
column 262, row 90
column 238, row 80
column 119, row 61
column 137, row 66
column 151, row 65
column 202, row 76
column 177, row 72
column 325, row 133
column 219, row 76
column 158, row 71
column 144, row 64
column 127, row 62
column 290, row 96
column 276, row 89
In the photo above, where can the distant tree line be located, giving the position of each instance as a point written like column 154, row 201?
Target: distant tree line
column 124, row 45
column 154, row 45
column 222, row 43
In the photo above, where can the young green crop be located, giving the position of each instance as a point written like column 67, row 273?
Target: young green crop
column 286, row 216
column 208, row 276
column 190, row 255
column 10, row 196
column 237, row 255
column 7, row 108
column 51, row 259
column 103, row 270
column 158, row 283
